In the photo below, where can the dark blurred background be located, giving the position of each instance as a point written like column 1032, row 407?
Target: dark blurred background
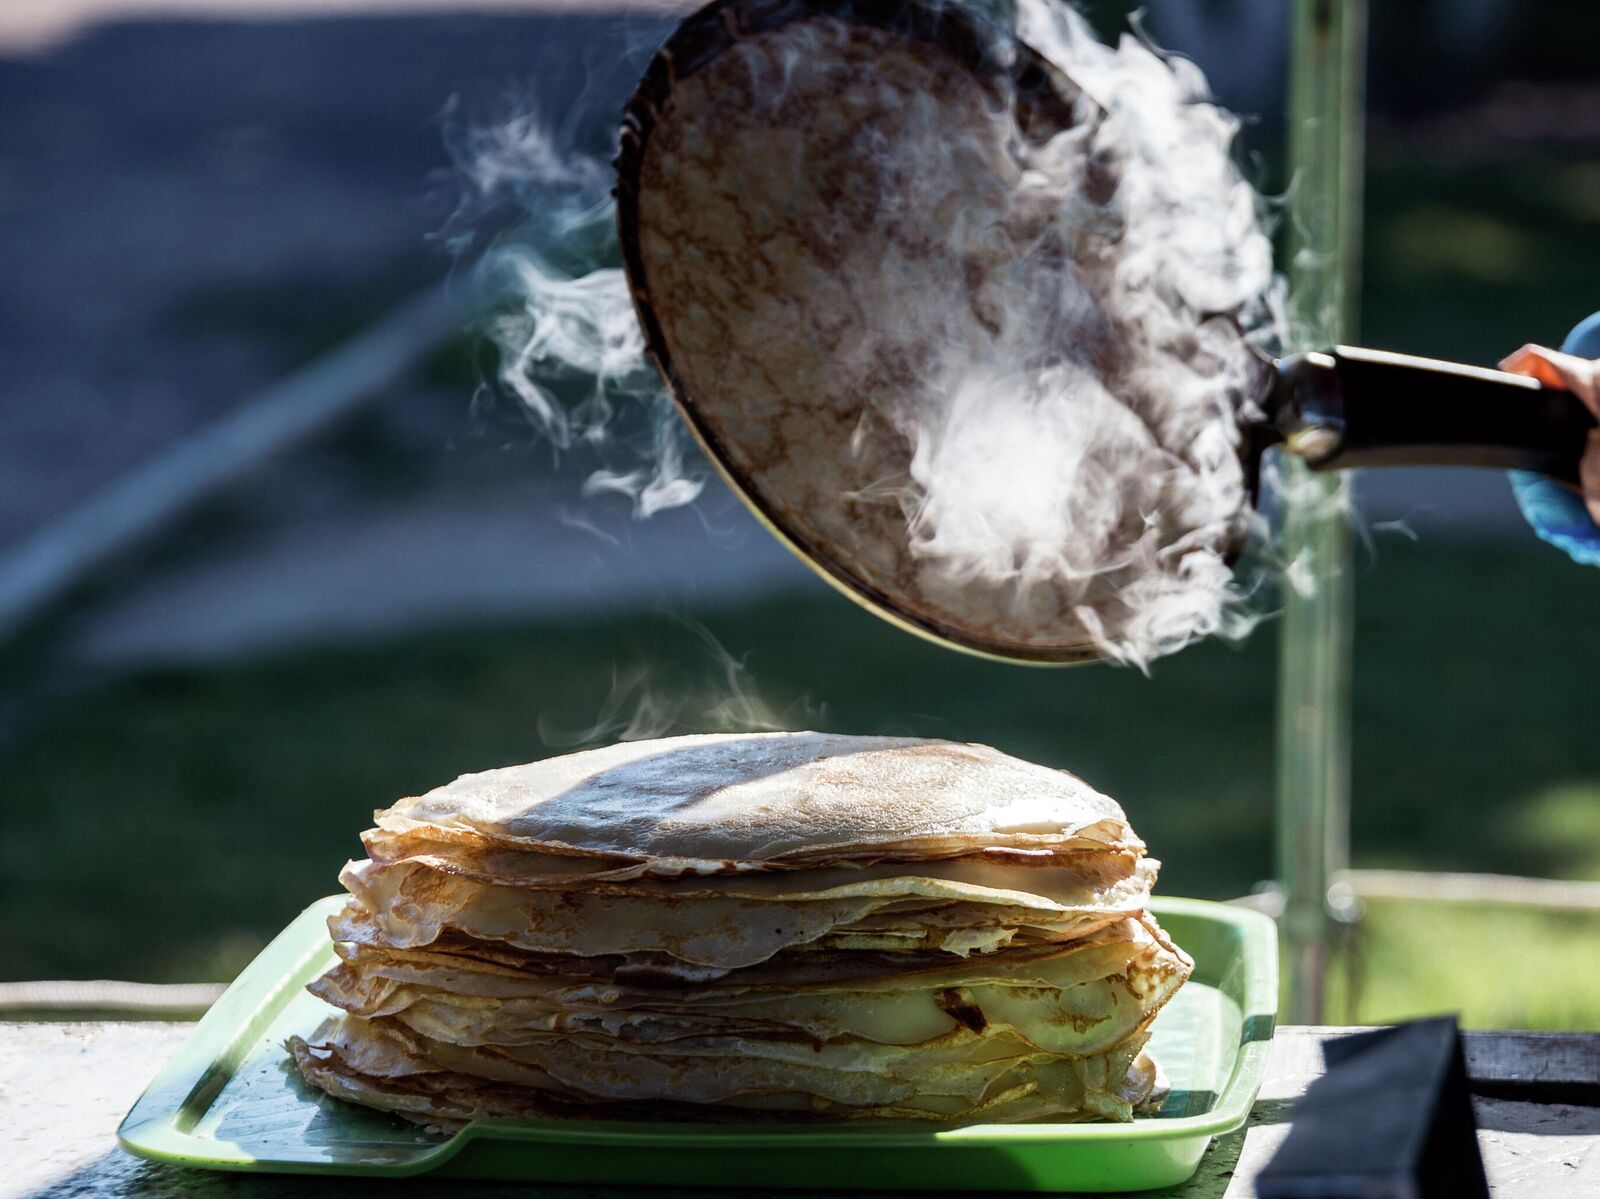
column 199, row 201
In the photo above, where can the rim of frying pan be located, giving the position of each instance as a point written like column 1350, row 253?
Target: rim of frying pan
column 1042, row 92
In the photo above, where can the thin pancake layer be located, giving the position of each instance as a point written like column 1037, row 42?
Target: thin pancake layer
column 380, row 1063
column 721, row 802
column 1070, row 1001
column 411, row 904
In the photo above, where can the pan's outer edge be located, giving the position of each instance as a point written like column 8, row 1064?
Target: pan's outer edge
column 696, row 41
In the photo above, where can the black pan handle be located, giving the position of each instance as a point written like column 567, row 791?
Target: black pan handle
column 1349, row 407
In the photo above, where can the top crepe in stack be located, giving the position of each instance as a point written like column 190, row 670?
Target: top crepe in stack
column 721, row 925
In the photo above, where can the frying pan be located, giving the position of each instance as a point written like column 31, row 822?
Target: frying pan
column 751, row 204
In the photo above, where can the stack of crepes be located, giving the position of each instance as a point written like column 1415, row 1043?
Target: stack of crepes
column 730, row 926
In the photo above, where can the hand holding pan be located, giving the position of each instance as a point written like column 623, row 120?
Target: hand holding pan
column 896, row 275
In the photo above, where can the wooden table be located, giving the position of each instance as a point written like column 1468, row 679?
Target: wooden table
column 64, row 1087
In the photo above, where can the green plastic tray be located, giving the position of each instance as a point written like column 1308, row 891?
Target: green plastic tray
column 230, row 1100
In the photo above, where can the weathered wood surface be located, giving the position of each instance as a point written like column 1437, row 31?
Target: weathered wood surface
column 1534, row 1066
column 64, row 1087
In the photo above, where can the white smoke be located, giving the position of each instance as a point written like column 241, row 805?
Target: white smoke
column 1075, row 451
column 1083, row 439
column 571, row 353
column 717, row 696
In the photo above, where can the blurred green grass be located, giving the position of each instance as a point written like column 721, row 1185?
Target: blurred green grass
column 163, row 825
column 1469, row 259
column 1497, row 966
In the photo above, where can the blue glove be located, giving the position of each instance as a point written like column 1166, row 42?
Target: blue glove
column 1556, row 513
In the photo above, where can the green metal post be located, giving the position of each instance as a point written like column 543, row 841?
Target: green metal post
column 1326, row 100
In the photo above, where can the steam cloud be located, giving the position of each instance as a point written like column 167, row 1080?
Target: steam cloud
column 1081, row 441
column 646, row 702
column 571, row 353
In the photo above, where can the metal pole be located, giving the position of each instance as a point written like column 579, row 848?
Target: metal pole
column 1326, row 101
